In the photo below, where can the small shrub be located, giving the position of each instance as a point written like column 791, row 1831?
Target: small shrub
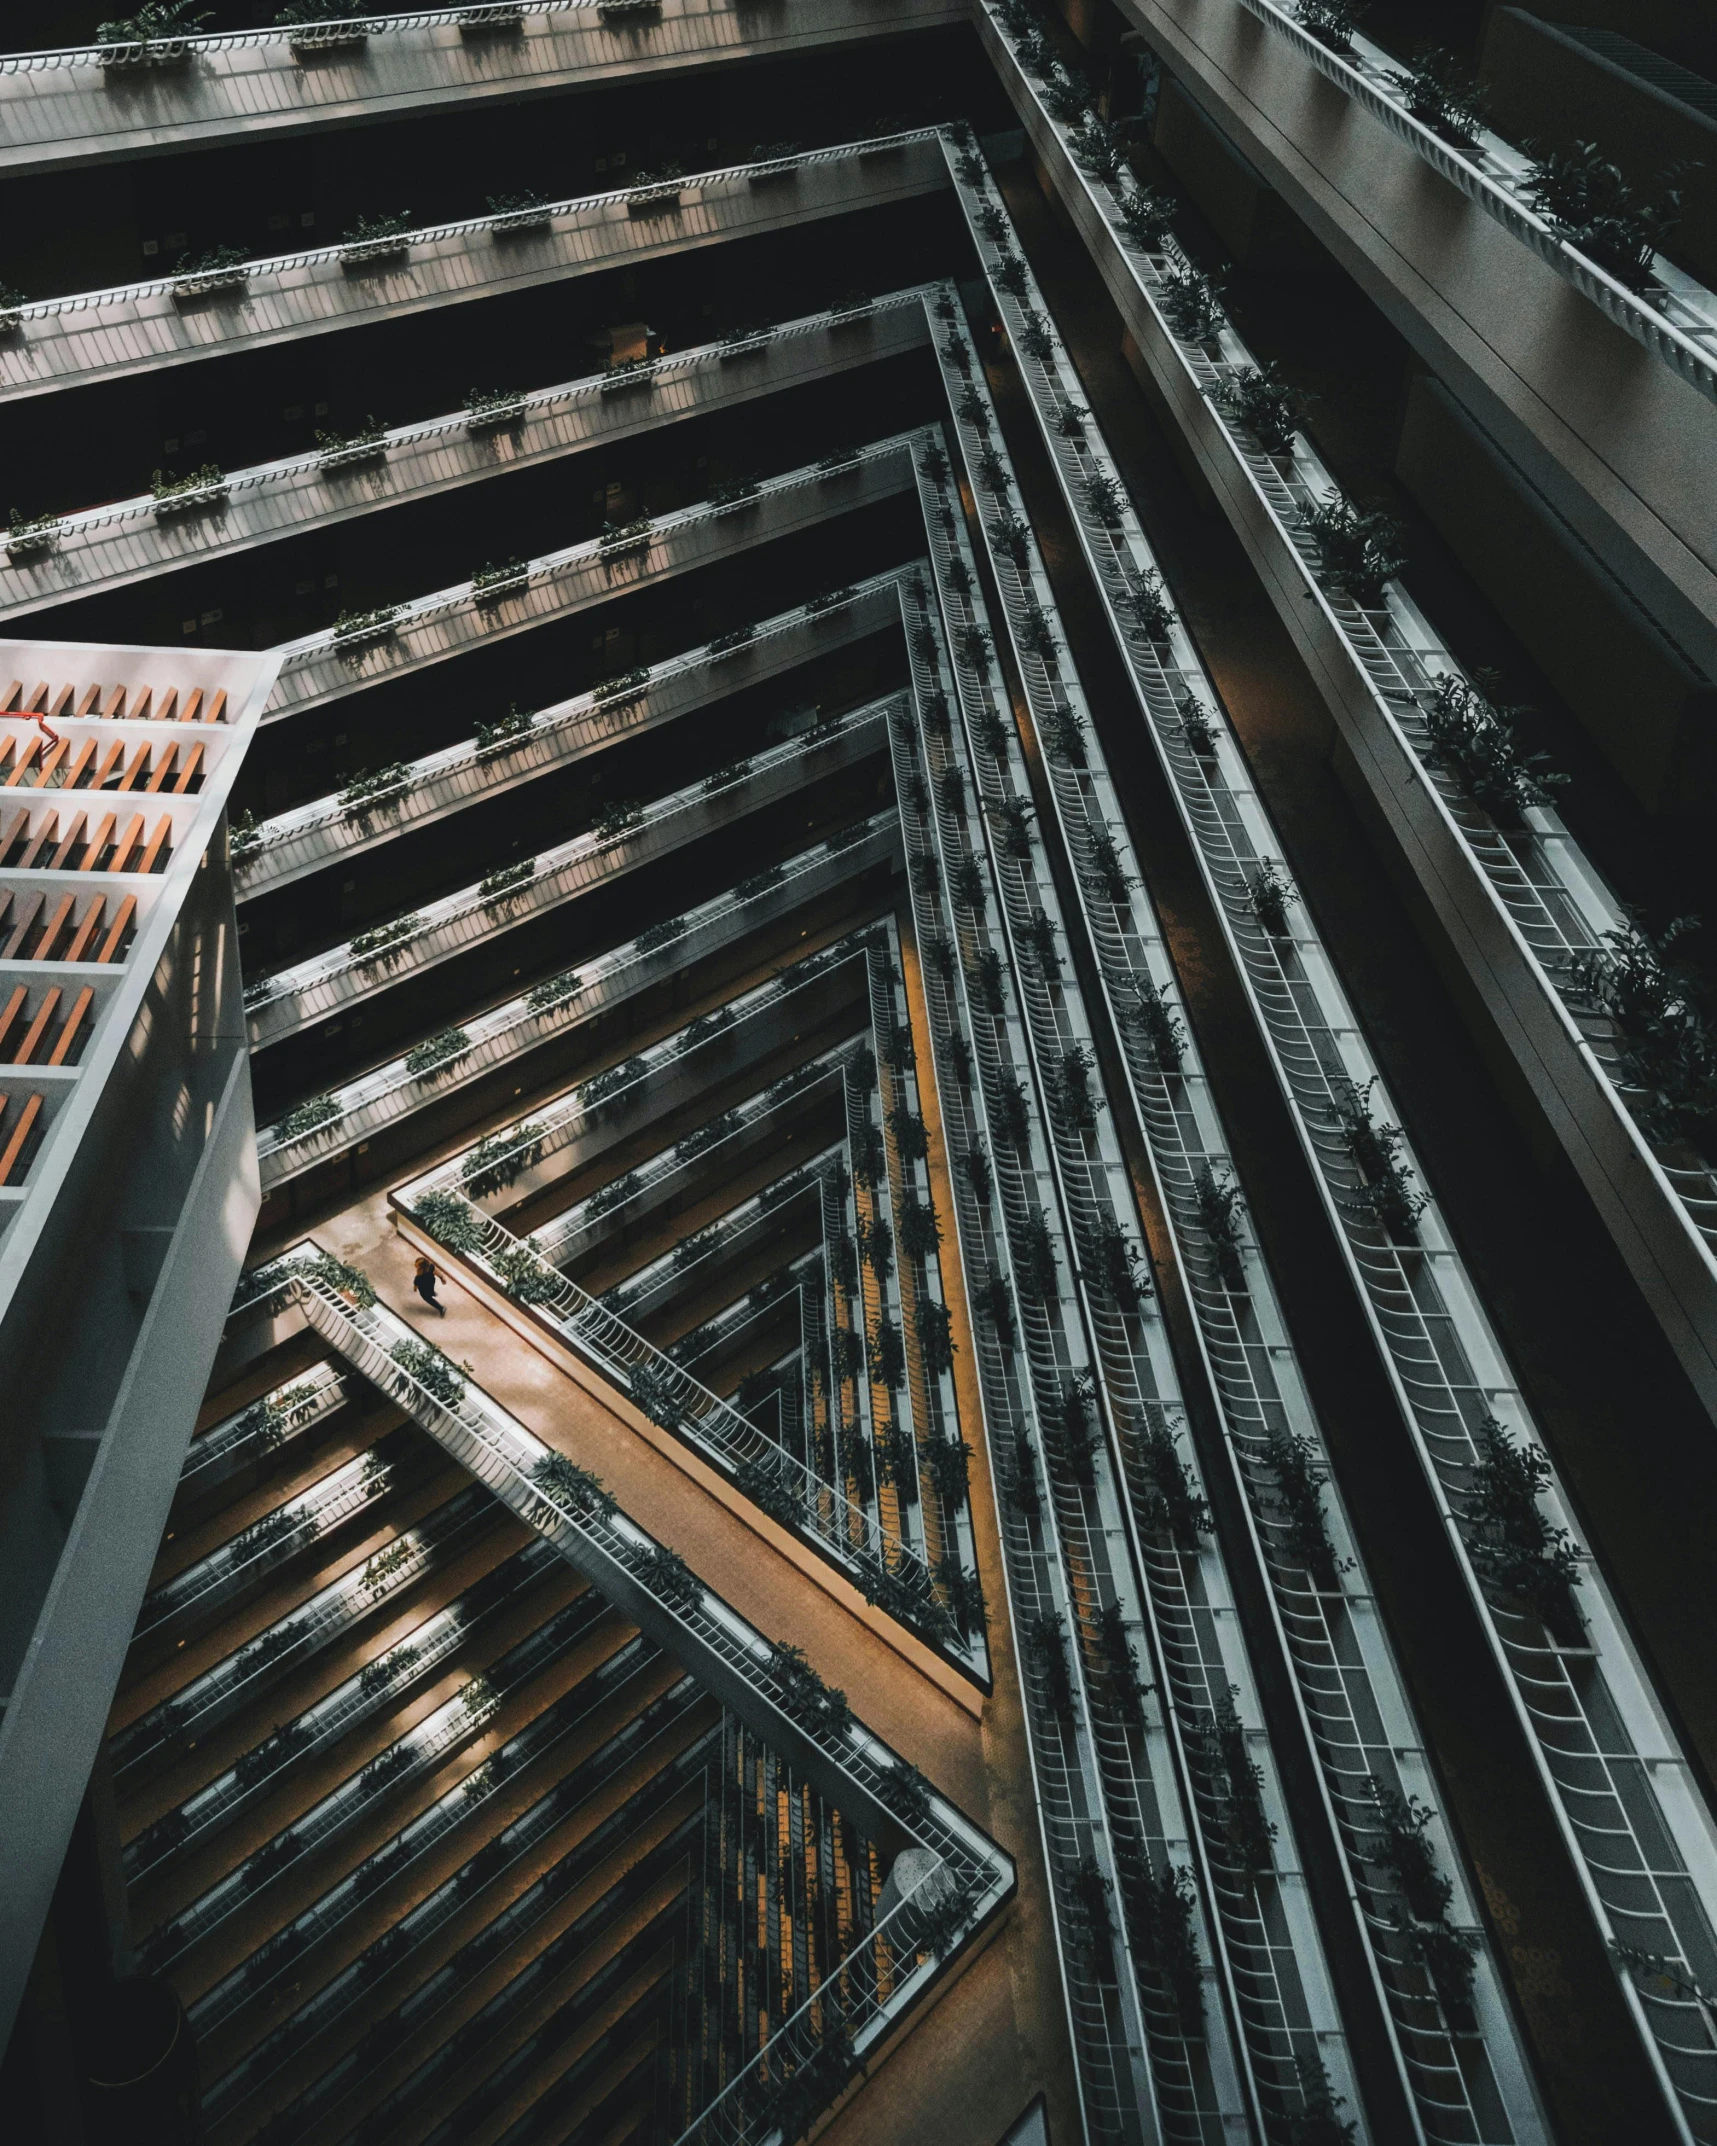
column 1034, row 1258
column 308, row 1117
column 1512, row 1544
column 554, row 992
column 1169, row 1502
column 1147, row 217
column 1297, row 1506
column 500, row 1159
column 1115, row 1261
column 574, row 1489
column 1474, row 739
column 1387, row 1197
column 438, row 1375
column 1073, row 1432
column 1441, row 94
column 1220, row 1207
column 1359, row 552
column 1045, row 1646
column 1331, row 22
column 500, row 887
column 449, row 1220
column 1258, row 398
column 1191, row 303
column 438, row 1054
column 505, row 730
column 1586, row 201
column 1269, row 892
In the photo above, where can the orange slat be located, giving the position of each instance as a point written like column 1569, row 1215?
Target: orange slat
column 86, row 931
column 56, row 926
column 126, row 843
column 191, row 711
column 89, row 704
column 10, row 1019
column 39, row 1026
column 20, row 1133
column 72, row 1028
column 47, row 838
column 62, row 704
column 121, row 923
column 165, row 759
column 26, row 913
column 140, row 706
column 215, row 711
column 51, row 765
column 74, row 838
column 189, row 772
column 115, row 704
column 169, row 704
column 115, row 758
column 26, row 760
column 159, row 842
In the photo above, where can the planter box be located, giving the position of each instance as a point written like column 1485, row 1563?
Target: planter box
column 211, row 285
column 493, row 592
column 629, row 10
column 504, row 21
column 312, row 44
column 516, row 223
column 191, row 501
column 500, row 418
column 149, row 54
column 372, row 252
column 626, row 379
column 360, row 456
column 32, row 543
column 656, row 201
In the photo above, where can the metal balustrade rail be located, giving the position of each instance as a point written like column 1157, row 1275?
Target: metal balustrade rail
column 1675, row 318
column 885, row 1568
column 259, row 1974
column 259, row 1431
column 281, row 1534
column 1458, row 2055
column 383, row 1681
column 110, row 547
column 234, row 1681
column 1288, row 2019
column 518, row 1160
column 659, row 1281
column 63, row 107
column 1641, row 1837
column 969, row 1876
column 407, row 637
column 92, row 336
column 284, row 2043
column 1522, row 903
column 293, row 999
column 392, row 1091
column 1143, row 2069
column 329, row 829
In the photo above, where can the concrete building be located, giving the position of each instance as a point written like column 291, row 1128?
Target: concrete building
column 858, row 1252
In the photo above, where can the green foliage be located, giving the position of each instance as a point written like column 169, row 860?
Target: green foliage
column 1258, row 398
column 1269, row 891
column 1073, row 1432
column 1155, row 1020
column 499, row 578
column 1147, row 217
column 1359, row 551
column 1034, row 1256
column 172, row 493
column 1387, row 1195
column 490, row 409
column 1191, row 303
column 574, row 1489
column 1406, row 1857
column 1114, row 1264
column 1331, row 22
column 620, row 816
column 353, row 450
column 1513, row 1545
column 308, row 1117
column 438, row 1054
column 1161, row 1910
column 499, row 1159
column 1441, row 94
column 450, row 1220
column 497, row 888
column 1220, row 1207
column 1667, row 1044
column 1587, row 202
column 525, row 1275
column 436, row 1374
column 382, row 789
column 506, row 730
column 346, row 1281
column 668, row 1575
column 1169, row 1501
column 1297, row 1507
column 554, row 992
column 377, row 238
column 1044, row 1641
column 1236, row 1781
column 805, row 1697
column 355, row 629
column 1473, row 737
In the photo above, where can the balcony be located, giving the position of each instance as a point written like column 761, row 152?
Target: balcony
column 326, row 666
column 63, row 108
column 142, row 327
column 1521, row 905
column 314, row 1133
column 331, row 829
column 72, row 555
column 293, row 999
column 1361, row 1722
column 1542, row 347
column 1451, row 1379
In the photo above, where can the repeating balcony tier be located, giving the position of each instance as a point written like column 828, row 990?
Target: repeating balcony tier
column 142, row 327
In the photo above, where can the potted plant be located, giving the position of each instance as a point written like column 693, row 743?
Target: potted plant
column 205, row 275
column 204, row 487
column 310, row 1116
column 1331, row 22
column 1442, row 95
column 512, row 214
column 501, row 18
column 493, row 409
column 629, row 374
column 437, row 1055
column 628, row 10
column 158, row 36
column 32, row 535
column 622, row 689
column 506, row 730
column 375, row 239
column 387, row 786
column 1359, row 551
column 360, row 629
column 352, row 450
column 626, row 540
column 741, row 342
column 499, row 889
column 1588, row 204
column 12, row 303
column 1261, row 400
column 654, row 192
column 772, row 163
column 384, row 945
column 489, row 584
column 311, row 30
column 1191, row 303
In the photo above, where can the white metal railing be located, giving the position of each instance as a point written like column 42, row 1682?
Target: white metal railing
column 291, row 999
column 335, row 827
column 141, row 327
column 107, row 547
column 325, row 666
column 1675, row 318
column 1544, row 902
column 1285, row 2012
column 392, row 1091
column 65, row 104
column 1467, row 2082
column 262, row 1428
column 1626, row 1797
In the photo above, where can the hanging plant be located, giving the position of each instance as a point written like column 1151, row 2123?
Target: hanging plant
column 499, row 1159
column 500, row 888
column 491, row 583
column 31, row 536
column 493, row 409
column 505, row 731
column 171, row 494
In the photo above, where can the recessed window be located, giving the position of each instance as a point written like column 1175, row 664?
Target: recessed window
column 151, row 247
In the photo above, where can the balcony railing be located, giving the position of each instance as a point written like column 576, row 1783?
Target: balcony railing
column 1355, row 1708
column 727, row 1655
column 428, row 629
column 1644, row 1841
column 332, row 829
column 1101, row 1473
column 1522, row 903
column 1674, row 317
column 67, row 107
column 141, row 327
column 391, row 1092
column 292, row 999
column 110, row 547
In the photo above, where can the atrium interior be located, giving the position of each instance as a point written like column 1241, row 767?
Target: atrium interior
column 1100, row 616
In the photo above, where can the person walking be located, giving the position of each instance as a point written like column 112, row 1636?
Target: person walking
column 424, row 1281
